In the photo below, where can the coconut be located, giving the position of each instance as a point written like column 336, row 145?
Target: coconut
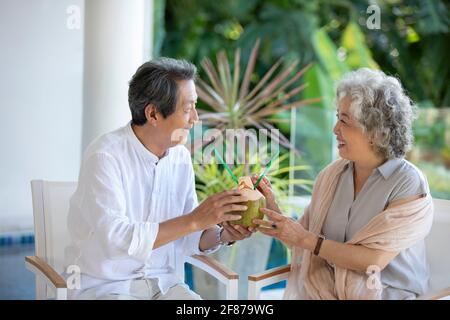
column 255, row 202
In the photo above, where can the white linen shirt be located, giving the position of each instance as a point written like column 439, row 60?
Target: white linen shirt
column 124, row 192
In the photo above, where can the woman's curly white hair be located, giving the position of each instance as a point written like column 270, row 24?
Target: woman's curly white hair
column 382, row 109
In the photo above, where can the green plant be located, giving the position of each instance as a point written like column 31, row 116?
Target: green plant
column 237, row 104
column 212, row 178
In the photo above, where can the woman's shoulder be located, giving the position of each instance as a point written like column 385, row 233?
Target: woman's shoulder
column 409, row 181
column 409, row 172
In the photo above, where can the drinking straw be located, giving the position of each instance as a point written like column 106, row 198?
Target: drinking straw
column 265, row 170
column 225, row 165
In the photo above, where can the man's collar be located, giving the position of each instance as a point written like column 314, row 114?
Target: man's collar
column 147, row 154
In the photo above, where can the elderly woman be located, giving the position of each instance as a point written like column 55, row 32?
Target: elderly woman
column 362, row 235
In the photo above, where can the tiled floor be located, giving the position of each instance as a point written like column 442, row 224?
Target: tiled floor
column 16, row 282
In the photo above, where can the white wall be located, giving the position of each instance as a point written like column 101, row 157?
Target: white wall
column 60, row 87
column 41, row 66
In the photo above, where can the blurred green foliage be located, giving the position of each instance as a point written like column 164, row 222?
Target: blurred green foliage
column 438, row 178
column 413, row 41
column 431, row 152
column 432, row 128
column 413, row 44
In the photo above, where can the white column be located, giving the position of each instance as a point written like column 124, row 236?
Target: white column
column 118, row 38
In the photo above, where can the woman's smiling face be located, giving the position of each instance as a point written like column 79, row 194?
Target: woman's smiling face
column 353, row 144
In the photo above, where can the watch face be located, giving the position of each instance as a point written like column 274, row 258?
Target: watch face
column 219, row 236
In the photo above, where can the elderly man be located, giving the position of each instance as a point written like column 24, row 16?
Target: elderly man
column 134, row 215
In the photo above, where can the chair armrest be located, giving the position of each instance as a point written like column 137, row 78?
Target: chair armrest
column 271, row 273
column 260, row 280
column 439, row 294
column 213, row 267
column 46, row 270
column 42, row 269
column 218, row 271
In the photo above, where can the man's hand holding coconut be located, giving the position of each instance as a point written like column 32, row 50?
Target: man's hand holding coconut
column 220, row 209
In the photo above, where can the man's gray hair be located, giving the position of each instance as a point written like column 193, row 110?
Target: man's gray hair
column 156, row 82
column 380, row 106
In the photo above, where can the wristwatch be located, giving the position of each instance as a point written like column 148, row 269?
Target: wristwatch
column 320, row 239
column 220, row 241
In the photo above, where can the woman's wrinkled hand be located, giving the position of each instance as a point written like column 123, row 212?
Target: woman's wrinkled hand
column 265, row 188
column 287, row 230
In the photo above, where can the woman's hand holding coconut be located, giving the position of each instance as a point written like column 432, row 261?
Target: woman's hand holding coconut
column 265, row 188
column 288, row 231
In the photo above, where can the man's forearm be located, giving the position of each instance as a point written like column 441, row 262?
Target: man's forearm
column 174, row 229
column 208, row 239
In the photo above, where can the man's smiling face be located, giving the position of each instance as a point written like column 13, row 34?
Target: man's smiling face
column 175, row 128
